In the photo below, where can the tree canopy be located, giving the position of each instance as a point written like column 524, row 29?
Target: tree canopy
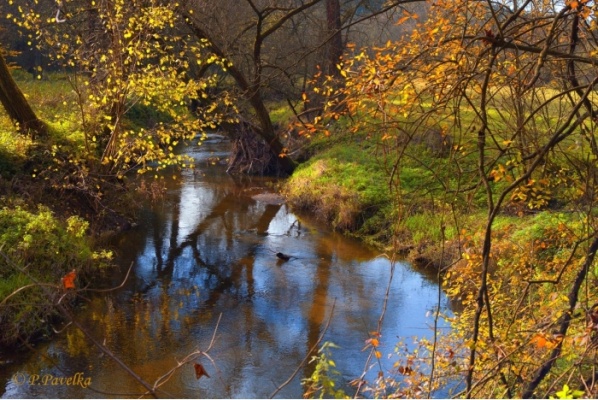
column 494, row 100
column 505, row 93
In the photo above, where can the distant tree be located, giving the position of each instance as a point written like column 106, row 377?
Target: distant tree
column 276, row 47
column 335, row 44
column 245, row 33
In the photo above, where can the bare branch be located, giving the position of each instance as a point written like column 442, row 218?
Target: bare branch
column 311, row 350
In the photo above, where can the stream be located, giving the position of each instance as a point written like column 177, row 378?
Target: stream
column 205, row 271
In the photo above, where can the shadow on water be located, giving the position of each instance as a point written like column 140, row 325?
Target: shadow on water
column 209, row 250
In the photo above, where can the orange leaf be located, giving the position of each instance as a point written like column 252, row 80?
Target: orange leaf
column 402, row 20
column 378, row 354
column 200, row 371
column 539, row 340
column 450, row 354
column 68, row 281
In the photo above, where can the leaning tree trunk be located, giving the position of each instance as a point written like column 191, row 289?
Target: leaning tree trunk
column 284, row 164
column 15, row 104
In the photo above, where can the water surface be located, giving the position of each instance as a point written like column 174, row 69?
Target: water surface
column 207, row 254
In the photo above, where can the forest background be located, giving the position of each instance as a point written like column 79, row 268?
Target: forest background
column 461, row 133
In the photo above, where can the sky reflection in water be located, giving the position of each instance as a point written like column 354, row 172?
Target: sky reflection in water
column 209, row 250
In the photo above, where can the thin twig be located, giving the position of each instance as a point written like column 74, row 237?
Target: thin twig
column 190, row 357
column 65, row 311
column 26, row 287
column 361, row 380
column 437, row 313
column 311, row 350
column 116, row 287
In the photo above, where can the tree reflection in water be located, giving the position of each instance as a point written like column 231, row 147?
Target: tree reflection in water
column 210, row 249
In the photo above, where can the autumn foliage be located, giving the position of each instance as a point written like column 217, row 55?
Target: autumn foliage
column 482, row 118
column 495, row 102
column 127, row 58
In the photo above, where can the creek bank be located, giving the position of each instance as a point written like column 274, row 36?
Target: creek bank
column 345, row 185
column 46, row 234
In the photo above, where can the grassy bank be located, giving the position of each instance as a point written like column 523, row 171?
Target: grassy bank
column 351, row 184
column 425, row 199
column 51, row 207
column 356, row 187
column 344, row 185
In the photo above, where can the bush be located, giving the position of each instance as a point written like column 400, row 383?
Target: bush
column 38, row 249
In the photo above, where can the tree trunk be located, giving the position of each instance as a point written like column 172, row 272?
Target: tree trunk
column 15, row 104
column 335, row 44
column 252, row 93
column 267, row 131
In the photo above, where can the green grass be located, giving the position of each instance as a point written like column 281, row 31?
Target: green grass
column 14, row 149
column 52, row 97
column 280, row 113
column 426, row 227
column 342, row 186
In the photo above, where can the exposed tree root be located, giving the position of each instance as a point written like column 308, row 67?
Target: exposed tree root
column 250, row 154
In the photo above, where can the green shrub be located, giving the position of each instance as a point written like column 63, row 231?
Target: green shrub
column 38, row 250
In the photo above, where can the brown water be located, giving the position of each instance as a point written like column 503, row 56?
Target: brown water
column 208, row 253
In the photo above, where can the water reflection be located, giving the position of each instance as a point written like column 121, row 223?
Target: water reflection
column 209, row 250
